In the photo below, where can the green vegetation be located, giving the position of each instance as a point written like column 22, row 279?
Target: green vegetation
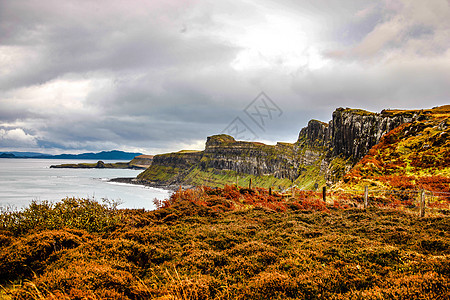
column 311, row 177
column 220, row 178
column 159, row 173
column 189, row 151
column 228, row 244
column 210, row 177
column 360, row 112
column 221, row 139
column 86, row 214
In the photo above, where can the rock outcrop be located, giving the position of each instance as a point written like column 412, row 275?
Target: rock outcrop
column 353, row 132
column 322, row 154
column 224, row 155
column 141, row 161
column 138, row 162
column 182, row 159
column 223, row 152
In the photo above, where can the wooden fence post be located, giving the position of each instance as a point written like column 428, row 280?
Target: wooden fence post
column 293, row 191
column 422, row 203
column 237, row 181
column 366, row 197
column 270, row 191
column 250, row 184
column 324, row 194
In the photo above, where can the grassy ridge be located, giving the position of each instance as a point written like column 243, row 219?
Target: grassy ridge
column 221, row 178
column 223, row 244
column 195, row 176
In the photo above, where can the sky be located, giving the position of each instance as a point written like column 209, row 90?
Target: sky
column 161, row 75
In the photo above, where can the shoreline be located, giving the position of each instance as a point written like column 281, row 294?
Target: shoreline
column 135, row 181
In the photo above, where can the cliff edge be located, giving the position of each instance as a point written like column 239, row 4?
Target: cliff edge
column 322, row 155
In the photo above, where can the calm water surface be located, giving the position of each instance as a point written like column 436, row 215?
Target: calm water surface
column 23, row 180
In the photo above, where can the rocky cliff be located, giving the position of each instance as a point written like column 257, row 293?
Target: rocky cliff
column 223, row 161
column 141, row 161
column 353, row 132
column 332, row 149
column 223, row 152
column 323, row 153
column 415, row 155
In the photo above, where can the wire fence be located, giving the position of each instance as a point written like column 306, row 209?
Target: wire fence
column 422, row 201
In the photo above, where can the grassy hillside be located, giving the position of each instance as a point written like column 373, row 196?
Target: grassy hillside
column 413, row 156
column 222, row 244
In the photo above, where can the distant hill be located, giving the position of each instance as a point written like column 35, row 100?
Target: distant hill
column 22, row 154
column 104, row 155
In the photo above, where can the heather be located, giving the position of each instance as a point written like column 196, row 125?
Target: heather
column 224, row 243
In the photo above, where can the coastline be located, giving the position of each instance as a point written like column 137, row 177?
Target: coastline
column 135, row 181
column 24, row 180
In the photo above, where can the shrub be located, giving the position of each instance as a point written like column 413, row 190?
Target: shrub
column 75, row 213
column 31, row 254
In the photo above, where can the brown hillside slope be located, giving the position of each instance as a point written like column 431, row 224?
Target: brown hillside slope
column 223, row 244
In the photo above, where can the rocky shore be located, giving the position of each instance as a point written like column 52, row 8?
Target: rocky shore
column 140, row 162
column 134, row 180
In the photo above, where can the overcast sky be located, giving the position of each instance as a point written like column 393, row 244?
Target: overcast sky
column 162, row 75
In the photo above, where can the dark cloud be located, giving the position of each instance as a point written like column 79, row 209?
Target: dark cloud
column 162, row 75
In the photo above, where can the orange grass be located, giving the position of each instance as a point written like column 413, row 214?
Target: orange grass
column 229, row 244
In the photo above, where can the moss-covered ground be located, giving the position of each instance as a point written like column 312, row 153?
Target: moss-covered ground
column 159, row 173
column 222, row 244
column 220, row 178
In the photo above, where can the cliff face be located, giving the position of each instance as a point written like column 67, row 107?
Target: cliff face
column 182, row 159
column 223, row 152
column 170, row 168
column 354, row 132
column 141, row 161
column 322, row 154
column 413, row 156
column 316, row 134
column 335, row 147
column 222, row 161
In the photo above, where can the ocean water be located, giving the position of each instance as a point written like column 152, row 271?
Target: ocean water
column 24, row 180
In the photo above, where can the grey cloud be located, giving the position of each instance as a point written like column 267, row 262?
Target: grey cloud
column 102, row 42
column 12, row 114
column 378, row 87
column 409, row 27
column 161, row 75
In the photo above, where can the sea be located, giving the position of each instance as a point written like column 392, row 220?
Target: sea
column 28, row 179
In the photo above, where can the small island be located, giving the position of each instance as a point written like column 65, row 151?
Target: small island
column 140, row 162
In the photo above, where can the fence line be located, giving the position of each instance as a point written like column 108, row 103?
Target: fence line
column 423, row 198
